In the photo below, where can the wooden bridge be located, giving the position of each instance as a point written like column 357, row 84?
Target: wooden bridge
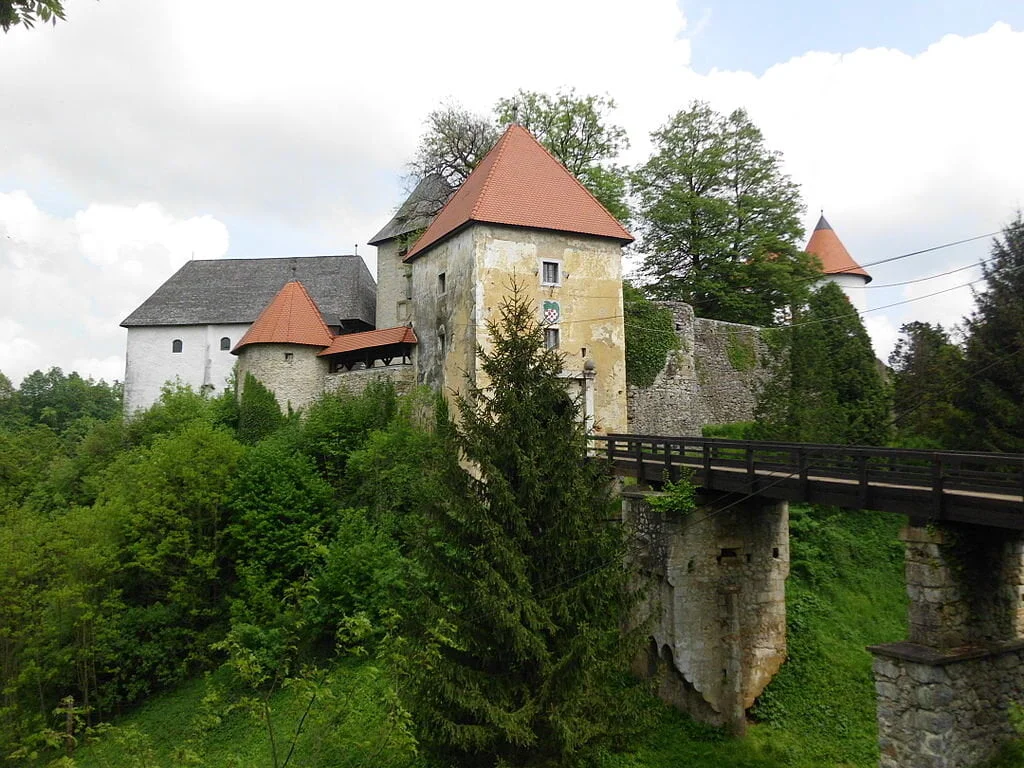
column 979, row 488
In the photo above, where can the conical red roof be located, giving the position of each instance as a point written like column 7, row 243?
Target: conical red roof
column 291, row 317
column 835, row 259
column 521, row 184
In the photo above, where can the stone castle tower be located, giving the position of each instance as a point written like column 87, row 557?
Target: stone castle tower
column 520, row 218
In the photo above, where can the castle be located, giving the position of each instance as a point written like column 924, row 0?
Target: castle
column 303, row 326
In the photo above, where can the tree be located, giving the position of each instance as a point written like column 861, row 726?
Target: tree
column 994, row 399
column 826, row 386
column 526, row 593
column 454, row 141
column 28, row 12
column 575, row 129
column 927, row 370
column 720, row 220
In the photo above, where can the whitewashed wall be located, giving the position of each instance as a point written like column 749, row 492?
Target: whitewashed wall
column 853, row 287
column 201, row 362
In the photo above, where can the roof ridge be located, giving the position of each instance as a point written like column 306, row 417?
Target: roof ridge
column 579, row 183
column 500, row 148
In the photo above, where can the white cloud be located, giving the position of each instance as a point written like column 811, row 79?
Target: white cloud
column 66, row 284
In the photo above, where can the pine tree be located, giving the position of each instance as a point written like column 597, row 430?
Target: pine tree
column 826, row 387
column 994, row 399
column 529, row 595
column 927, row 370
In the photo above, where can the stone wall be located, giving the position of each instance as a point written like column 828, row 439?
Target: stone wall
column 719, row 600
column 355, row 382
column 713, row 378
column 945, row 710
column 293, row 372
column 944, row 696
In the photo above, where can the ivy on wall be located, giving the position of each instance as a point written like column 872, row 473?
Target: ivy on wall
column 650, row 336
column 740, row 350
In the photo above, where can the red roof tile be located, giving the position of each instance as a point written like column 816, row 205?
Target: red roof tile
column 291, row 317
column 835, row 259
column 521, row 184
column 350, row 342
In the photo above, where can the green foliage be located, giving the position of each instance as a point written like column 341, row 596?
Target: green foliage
column 650, row 336
column 338, row 424
column 28, row 12
column 575, row 129
column 517, row 654
column 741, row 351
column 994, row 399
column 845, row 591
column 720, row 220
column 927, row 371
column 259, row 414
column 825, row 386
column 57, row 400
column 737, row 430
column 679, row 498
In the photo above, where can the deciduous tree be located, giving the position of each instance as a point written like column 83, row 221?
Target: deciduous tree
column 576, row 129
column 28, row 12
column 720, row 220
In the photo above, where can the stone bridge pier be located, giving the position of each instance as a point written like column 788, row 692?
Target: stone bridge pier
column 718, row 600
column 945, row 695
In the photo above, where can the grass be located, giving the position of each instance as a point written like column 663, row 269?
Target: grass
column 208, row 723
column 845, row 592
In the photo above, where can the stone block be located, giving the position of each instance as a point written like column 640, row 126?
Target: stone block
column 926, row 673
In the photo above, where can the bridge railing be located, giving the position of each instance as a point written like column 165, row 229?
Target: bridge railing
column 923, row 482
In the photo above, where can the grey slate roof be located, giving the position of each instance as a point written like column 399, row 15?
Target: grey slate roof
column 418, row 210
column 237, row 290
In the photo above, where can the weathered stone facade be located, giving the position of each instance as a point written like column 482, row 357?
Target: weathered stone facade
column 719, row 600
column 945, row 709
column 944, row 696
column 356, row 381
column 293, row 372
column 712, row 378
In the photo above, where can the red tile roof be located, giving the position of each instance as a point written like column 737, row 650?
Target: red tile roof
column 521, row 184
column 291, row 317
column 835, row 259
column 350, row 342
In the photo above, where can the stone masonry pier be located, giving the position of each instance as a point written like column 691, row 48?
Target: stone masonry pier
column 718, row 600
column 945, row 695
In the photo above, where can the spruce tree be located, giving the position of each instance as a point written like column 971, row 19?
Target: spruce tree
column 528, row 597
column 994, row 355
column 826, row 386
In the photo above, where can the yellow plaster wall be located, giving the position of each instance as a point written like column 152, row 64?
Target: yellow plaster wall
column 590, row 299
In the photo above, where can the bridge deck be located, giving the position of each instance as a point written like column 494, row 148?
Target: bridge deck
column 980, row 488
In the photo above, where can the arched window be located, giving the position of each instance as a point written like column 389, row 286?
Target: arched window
column 176, row 345
column 225, row 343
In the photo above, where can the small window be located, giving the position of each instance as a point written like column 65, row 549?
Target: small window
column 176, row 346
column 441, row 342
column 288, row 356
column 408, row 285
column 551, row 338
column 441, row 283
column 225, row 343
column 550, row 273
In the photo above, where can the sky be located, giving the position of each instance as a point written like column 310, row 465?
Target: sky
column 136, row 136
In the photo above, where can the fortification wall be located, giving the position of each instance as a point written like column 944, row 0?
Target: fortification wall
column 712, row 378
column 355, row 382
